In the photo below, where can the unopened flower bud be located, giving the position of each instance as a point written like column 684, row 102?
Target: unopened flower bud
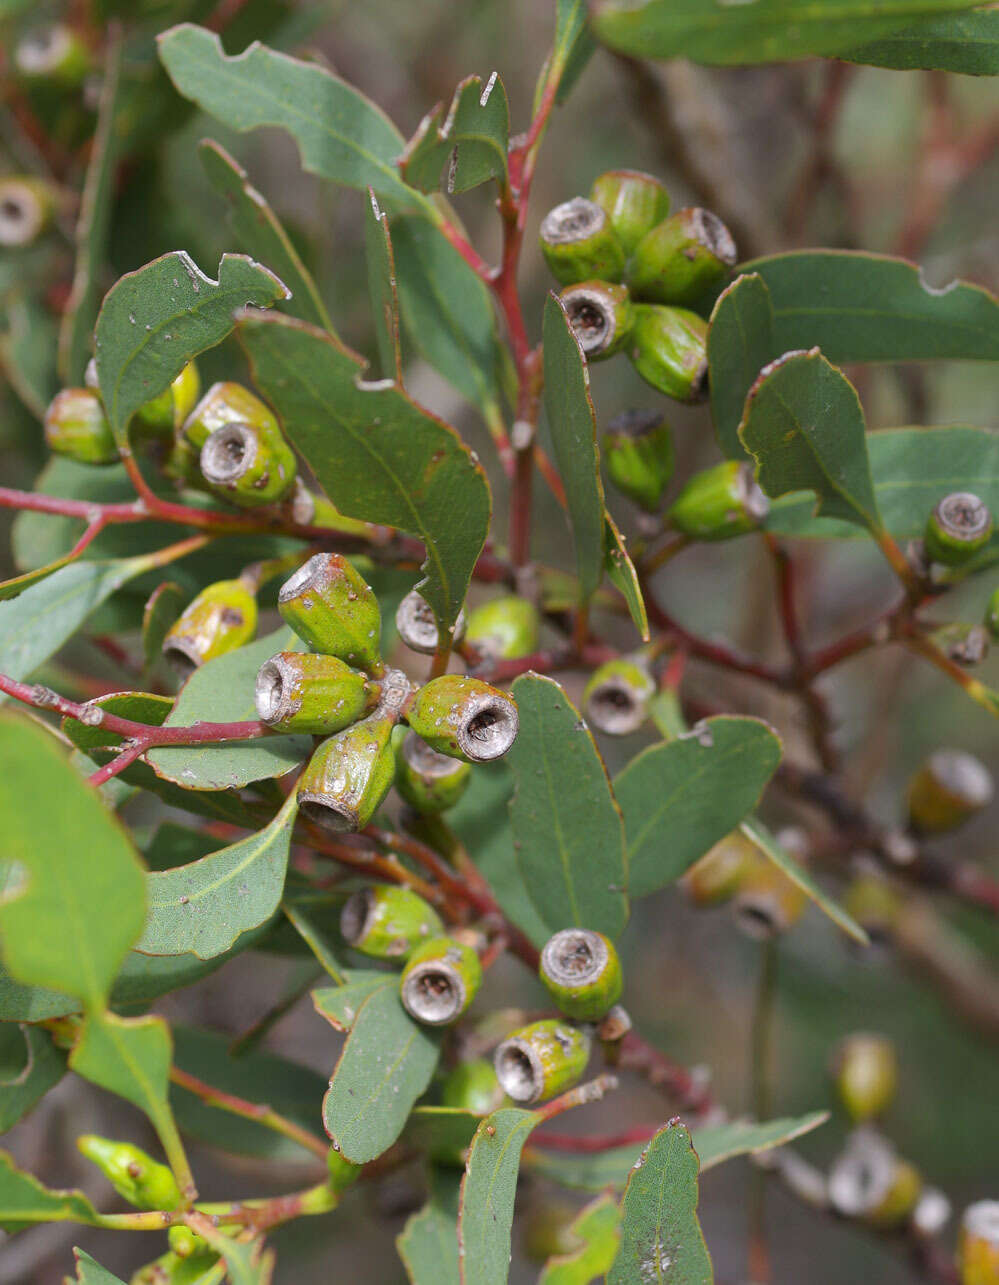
column 330, row 606
column 580, row 244
column 248, row 464
column 616, row 699
column 715, row 878
column 75, row 425
column 464, row 718
column 719, row 503
column 52, row 54
column 136, row 1176
column 865, row 1073
column 163, row 415
column 26, row 206
column 668, row 348
column 221, row 618
column 186, row 1243
column 600, row 315
column 682, row 258
column 949, row 788
column 388, row 922
column 958, row 528
column 639, row 456
column 871, row 1183
column 309, row 692
column 473, row 1086
column 417, row 624
column 978, row 1246
column 440, row 980
column 767, row 902
column 428, row 781
column 634, row 202
column 340, row 1173
column 504, row 628
column 581, row 971
column 542, row 1059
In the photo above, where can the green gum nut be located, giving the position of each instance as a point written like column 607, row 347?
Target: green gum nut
column 224, row 403
column 429, row 782
column 874, row 904
column 341, row 1173
column 26, row 206
column 601, row 317
column 221, row 618
column 767, row 902
column 716, row 877
column 580, row 244
column 388, row 922
column 440, row 980
column 668, row 348
column 464, row 718
column 248, row 464
column 504, row 629
column 992, row 613
column 865, row 1075
column 417, row 624
column 682, row 258
column 948, row 789
column 616, row 699
column 136, row 1176
column 473, row 1086
column 309, row 692
column 634, row 202
column 542, row 1059
column 75, row 425
column 581, row 971
column 978, row 1244
column 639, row 457
column 164, row 414
column 52, row 54
column 871, row 1183
column 330, row 606
column 958, row 528
column 719, row 503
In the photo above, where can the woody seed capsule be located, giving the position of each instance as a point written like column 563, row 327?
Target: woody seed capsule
column 978, row 1248
column 542, row 1059
column 388, row 922
column 440, row 980
column 865, row 1073
column 958, row 528
column 715, row 877
column 634, row 202
column 417, row 624
column 682, row 258
column 639, row 456
column 668, row 348
column 221, row 618
column 464, row 718
column 248, row 465
column 870, row 1182
column 616, row 698
column 504, row 628
column 76, row 426
column 600, row 315
column 579, row 243
column 25, row 209
column 719, row 503
column 329, row 605
column 428, row 781
column 949, row 788
column 581, row 971
column 308, row 692
column 53, row 54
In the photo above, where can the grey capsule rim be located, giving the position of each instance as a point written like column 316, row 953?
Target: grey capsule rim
column 714, row 235
column 23, row 229
column 519, row 1070
column 981, row 1220
column 417, row 625
column 575, row 220
column 329, row 813
column 758, row 914
column 183, row 654
column 42, row 48
column 555, row 970
column 500, row 732
column 356, row 915
column 754, row 500
column 219, row 463
column 428, row 1012
column 601, row 301
column 271, row 694
column 963, row 501
column 862, row 1176
column 963, row 775
column 312, row 574
column 428, row 762
column 620, row 716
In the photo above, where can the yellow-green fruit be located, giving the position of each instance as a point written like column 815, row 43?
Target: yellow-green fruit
column 440, row 980
column 865, row 1073
column 874, row 904
column 634, row 202
column 978, row 1246
column 428, row 781
column 473, row 1086
column 248, row 464
column 668, row 348
column 341, row 1173
column 616, row 699
column 716, row 877
column 580, row 244
column 504, row 628
column 349, row 775
column 767, row 902
column 164, row 414
column 417, row 625
column 136, row 1176
column 309, row 692
column 682, row 258
column 221, row 618
column 75, row 425
column 600, row 315
column 638, row 457
column 387, row 922
column 464, row 718
column 542, row 1059
column 719, row 503
column 581, row 971
column 949, row 788
column 870, row 1182
column 224, row 403
column 52, row 54
column 330, row 606
column 958, row 528
column 26, row 206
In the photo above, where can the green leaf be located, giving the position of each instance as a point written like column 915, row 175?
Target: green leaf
column 661, row 1239
column 24, row 1200
column 574, row 45
column 715, row 1143
column 385, row 1066
column 377, row 454
column 315, row 916
column 341, row 135
column 681, row 797
column 154, row 320
column 80, row 898
column 804, row 426
column 340, row 1004
column 382, row 288
column 43, row 1068
column 596, row 1226
column 93, row 228
column 221, row 691
column 89, row 1272
column 969, row 45
column 428, row 1244
column 768, row 845
column 471, row 139
column 164, row 605
column 441, row 1131
column 487, row 1194
column 740, row 343
column 622, row 575
column 765, row 31
column 17, row 585
column 202, row 908
column 569, row 842
column 259, row 233
column 28, row 339
column 144, row 978
column 871, row 307
column 572, row 424
column 246, row 1262
column 140, row 707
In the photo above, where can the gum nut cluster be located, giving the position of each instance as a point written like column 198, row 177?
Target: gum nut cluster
column 341, row 690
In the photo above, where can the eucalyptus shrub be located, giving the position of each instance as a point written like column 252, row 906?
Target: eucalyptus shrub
column 366, row 771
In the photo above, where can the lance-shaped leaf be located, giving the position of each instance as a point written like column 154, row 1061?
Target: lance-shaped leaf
column 871, row 307
column 221, row 691
column 681, row 797
column 573, row 47
column 661, row 1239
column 968, row 44
column 765, row 31
column 385, row 1066
column 377, row 454
column 471, row 139
column 569, row 841
column 382, row 288
column 740, row 343
column 310, row 912
column 487, row 1194
column 259, row 233
column 24, row 1200
column 341, row 135
column 715, row 1143
column 804, row 426
column 623, row 576
column 596, row 1229
column 154, row 320
column 202, row 908
column 22, row 1087
column 89, row 1272
column 341, row 1004
column 572, row 424
column 428, row 1244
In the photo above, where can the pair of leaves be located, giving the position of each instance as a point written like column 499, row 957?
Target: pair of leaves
column 470, row 139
